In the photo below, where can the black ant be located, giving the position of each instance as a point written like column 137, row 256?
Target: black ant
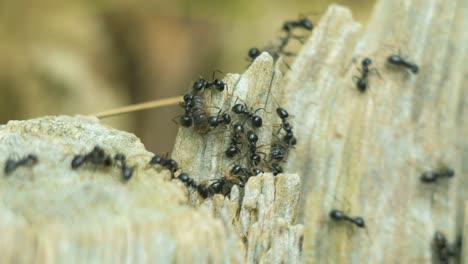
column 220, row 118
column 432, row 176
column 399, row 61
column 127, row 171
column 289, row 137
column 252, row 139
column 254, row 53
column 168, row 164
column 97, row 157
column 28, row 161
column 442, row 247
column 242, row 173
column 304, row 23
column 189, row 182
column 233, row 148
column 201, row 84
column 241, row 109
column 186, row 119
column 338, row 215
column 363, row 82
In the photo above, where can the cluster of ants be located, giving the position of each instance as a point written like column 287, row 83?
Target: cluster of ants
column 243, row 138
column 243, row 133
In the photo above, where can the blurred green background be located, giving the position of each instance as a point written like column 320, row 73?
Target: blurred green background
column 85, row 56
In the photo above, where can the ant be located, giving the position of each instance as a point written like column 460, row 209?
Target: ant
column 242, row 173
column 338, row 215
column 363, row 82
column 233, row 148
column 254, row 53
column 189, row 182
column 252, row 139
column 217, row 84
column 432, row 176
column 241, row 109
column 397, row 60
column 127, row 171
column 304, row 23
column 442, row 247
column 289, row 137
column 168, row 164
column 96, row 157
column 28, row 161
column 219, row 119
column 186, row 120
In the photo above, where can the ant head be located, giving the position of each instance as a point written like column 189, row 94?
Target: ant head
column 188, row 97
column 157, row 160
column 238, row 128
column 213, row 121
column 306, row 23
column 238, row 108
column 219, row 84
column 429, row 176
column 254, row 53
column 366, row 62
column 359, row 221
column 226, row 118
column 236, row 169
column 184, row 177
column 202, row 190
column 439, row 239
column 336, row 214
column 288, row 26
column 252, row 137
column 127, row 172
column 362, row 85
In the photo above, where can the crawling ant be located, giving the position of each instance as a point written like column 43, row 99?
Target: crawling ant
column 252, row 139
column 186, row 120
column 432, row 176
column 189, row 182
column 338, row 215
column 233, row 148
column 241, row 109
column 399, row 61
column 201, row 84
column 97, row 157
column 303, row 23
column 363, row 82
column 442, row 247
column 219, row 119
column 168, row 164
column 289, row 137
column 127, row 171
column 254, row 53
column 28, row 161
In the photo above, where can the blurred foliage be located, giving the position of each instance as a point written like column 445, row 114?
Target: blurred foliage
column 84, row 56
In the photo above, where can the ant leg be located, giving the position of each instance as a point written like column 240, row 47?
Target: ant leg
column 375, row 70
column 287, row 53
column 173, row 119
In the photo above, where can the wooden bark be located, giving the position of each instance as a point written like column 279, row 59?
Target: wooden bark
column 362, row 153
